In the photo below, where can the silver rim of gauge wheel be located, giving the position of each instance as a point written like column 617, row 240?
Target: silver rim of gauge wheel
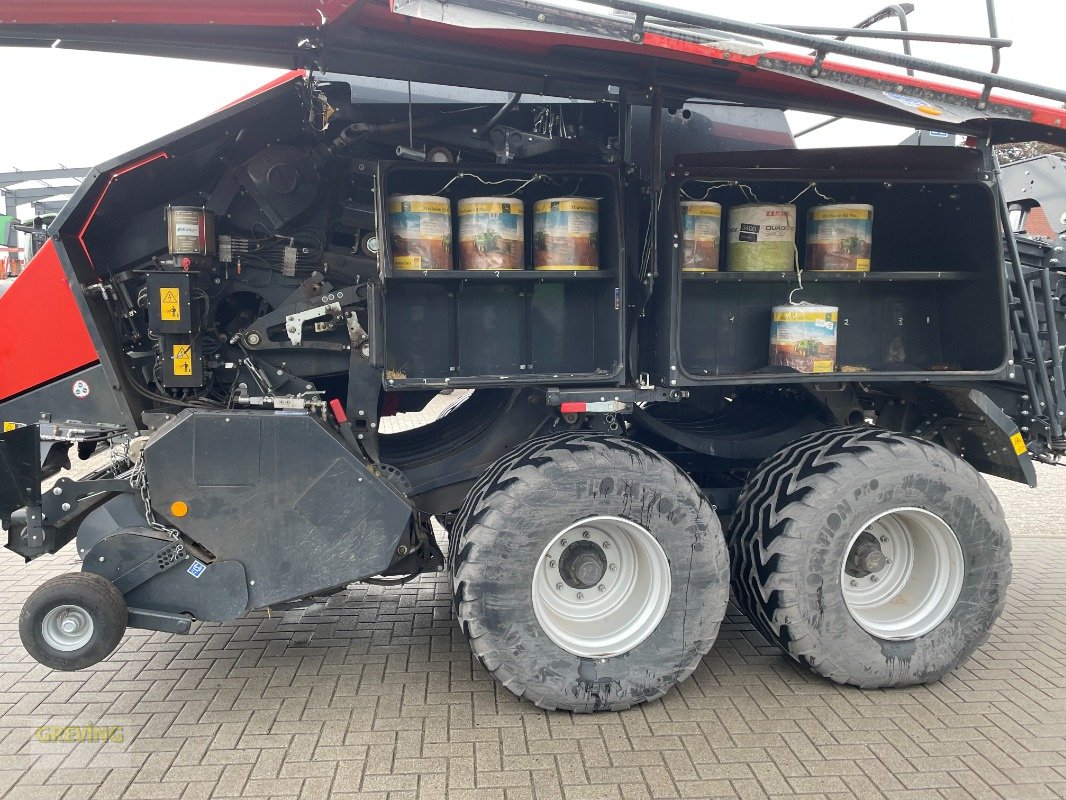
column 902, row 574
column 601, row 586
column 67, row 628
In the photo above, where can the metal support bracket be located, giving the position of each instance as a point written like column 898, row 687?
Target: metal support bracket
column 612, row 401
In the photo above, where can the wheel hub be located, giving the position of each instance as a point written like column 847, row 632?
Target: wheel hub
column 866, row 557
column 67, row 628
column 902, row 574
column 601, row 586
column 582, row 564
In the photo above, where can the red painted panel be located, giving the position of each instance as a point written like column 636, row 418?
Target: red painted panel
column 42, row 333
column 288, row 77
column 268, row 13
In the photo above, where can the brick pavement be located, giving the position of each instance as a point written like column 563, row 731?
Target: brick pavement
column 374, row 694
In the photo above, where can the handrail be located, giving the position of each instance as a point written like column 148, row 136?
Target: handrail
column 987, row 80
column 900, row 10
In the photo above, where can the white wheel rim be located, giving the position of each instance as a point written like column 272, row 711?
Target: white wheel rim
column 618, row 610
column 67, row 628
column 920, row 583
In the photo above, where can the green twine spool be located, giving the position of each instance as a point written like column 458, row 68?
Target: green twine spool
column 761, row 238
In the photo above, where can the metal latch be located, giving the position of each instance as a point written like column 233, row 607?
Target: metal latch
column 294, row 322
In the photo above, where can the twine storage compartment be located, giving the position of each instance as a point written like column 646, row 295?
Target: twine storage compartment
column 509, row 312
column 923, row 306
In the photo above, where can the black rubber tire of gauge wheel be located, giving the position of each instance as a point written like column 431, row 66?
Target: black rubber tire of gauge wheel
column 513, row 512
column 798, row 514
column 97, row 596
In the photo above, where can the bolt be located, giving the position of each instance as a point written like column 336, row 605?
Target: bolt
column 606, row 545
column 559, row 585
column 101, row 558
column 884, row 538
column 563, row 542
column 65, row 506
column 580, row 596
column 551, row 564
column 57, row 491
column 873, row 579
column 602, row 588
column 612, row 567
column 586, row 534
column 854, row 583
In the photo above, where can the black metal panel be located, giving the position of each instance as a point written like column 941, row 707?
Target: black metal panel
column 492, row 330
column 419, row 324
column 972, row 425
column 280, row 494
column 216, row 593
column 20, row 469
column 130, row 556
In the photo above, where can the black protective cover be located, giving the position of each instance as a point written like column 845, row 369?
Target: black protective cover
column 279, row 493
column 20, row 469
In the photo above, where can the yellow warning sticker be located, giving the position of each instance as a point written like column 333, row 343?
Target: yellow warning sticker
column 170, row 304
column 407, row 262
column 1019, row 444
column 9, row 426
column 822, row 365
column 183, row 359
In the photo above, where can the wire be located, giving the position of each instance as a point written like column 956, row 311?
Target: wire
column 525, row 183
column 707, row 193
column 814, row 186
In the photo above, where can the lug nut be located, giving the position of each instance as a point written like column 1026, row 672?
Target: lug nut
column 586, row 534
column 563, row 542
column 613, row 567
column 884, row 538
column 606, row 545
column 559, row 585
column 854, row 583
column 602, row 588
column 580, row 596
column 551, row 564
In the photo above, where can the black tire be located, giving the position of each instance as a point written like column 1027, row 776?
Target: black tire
column 796, row 518
column 513, row 512
column 97, row 596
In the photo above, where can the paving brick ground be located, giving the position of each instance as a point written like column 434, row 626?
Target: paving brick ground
column 374, row 694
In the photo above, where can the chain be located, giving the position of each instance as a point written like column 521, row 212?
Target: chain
column 139, row 479
column 113, row 451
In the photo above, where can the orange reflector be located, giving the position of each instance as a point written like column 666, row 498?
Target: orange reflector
column 179, row 508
